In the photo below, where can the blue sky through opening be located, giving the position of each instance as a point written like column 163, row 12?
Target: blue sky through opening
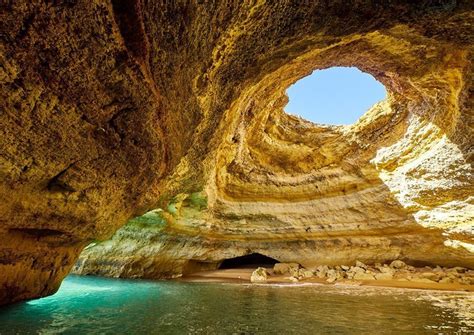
column 338, row 95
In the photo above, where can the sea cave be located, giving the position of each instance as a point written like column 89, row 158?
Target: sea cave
column 161, row 159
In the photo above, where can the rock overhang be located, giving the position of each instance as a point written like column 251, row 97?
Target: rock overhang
column 191, row 100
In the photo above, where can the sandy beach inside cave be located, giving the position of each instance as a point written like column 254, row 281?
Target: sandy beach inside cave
column 242, row 276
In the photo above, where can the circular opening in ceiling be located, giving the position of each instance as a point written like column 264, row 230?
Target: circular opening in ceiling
column 335, row 96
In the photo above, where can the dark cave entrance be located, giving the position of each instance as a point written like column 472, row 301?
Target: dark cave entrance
column 248, row 261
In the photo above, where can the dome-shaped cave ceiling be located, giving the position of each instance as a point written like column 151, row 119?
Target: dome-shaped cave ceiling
column 176, row 110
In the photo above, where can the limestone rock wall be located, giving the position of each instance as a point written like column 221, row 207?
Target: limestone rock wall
column 109, row 109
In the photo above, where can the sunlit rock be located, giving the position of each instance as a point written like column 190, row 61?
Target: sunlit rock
column 398, row 264
column 291, row 269
column 171, row 115
column 260, row 275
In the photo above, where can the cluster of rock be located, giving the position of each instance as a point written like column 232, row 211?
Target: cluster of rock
column 396, row 270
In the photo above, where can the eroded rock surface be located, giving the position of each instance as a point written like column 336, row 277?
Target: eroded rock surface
column 259, row 275
column 385, row 272
column 109, row 109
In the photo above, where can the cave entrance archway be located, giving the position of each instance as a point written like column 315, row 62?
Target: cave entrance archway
column 248, row 261
column 336, row 96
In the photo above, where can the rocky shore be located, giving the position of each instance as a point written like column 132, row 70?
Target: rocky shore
column 396, row 270
column 394, row 274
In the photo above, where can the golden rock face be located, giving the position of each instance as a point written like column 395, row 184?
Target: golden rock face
column 109, row 110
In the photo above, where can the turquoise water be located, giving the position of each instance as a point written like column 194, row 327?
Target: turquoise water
column 92, row 305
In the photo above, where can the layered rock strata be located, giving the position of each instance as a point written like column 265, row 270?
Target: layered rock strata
column 110, row 109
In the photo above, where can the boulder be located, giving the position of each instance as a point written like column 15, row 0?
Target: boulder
column 260, row 275
column 398, row 264
column 331, row 276
column 304, row 273
column 386, row 269
column 453, row 275
column 429, row 275
column 446, row 280
column 350, row 275
column 321, row 271
column 361, row 265
column 466, row 281
column 291, row 269
column 294, row 279
column 357, row 269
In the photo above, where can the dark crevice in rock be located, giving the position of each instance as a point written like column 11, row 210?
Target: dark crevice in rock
column 128, row 15
column 114, row 123
column 25, row 28
column 38, row 232
column 55, row 184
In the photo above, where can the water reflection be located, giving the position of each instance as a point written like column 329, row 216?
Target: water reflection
column 107, row 306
